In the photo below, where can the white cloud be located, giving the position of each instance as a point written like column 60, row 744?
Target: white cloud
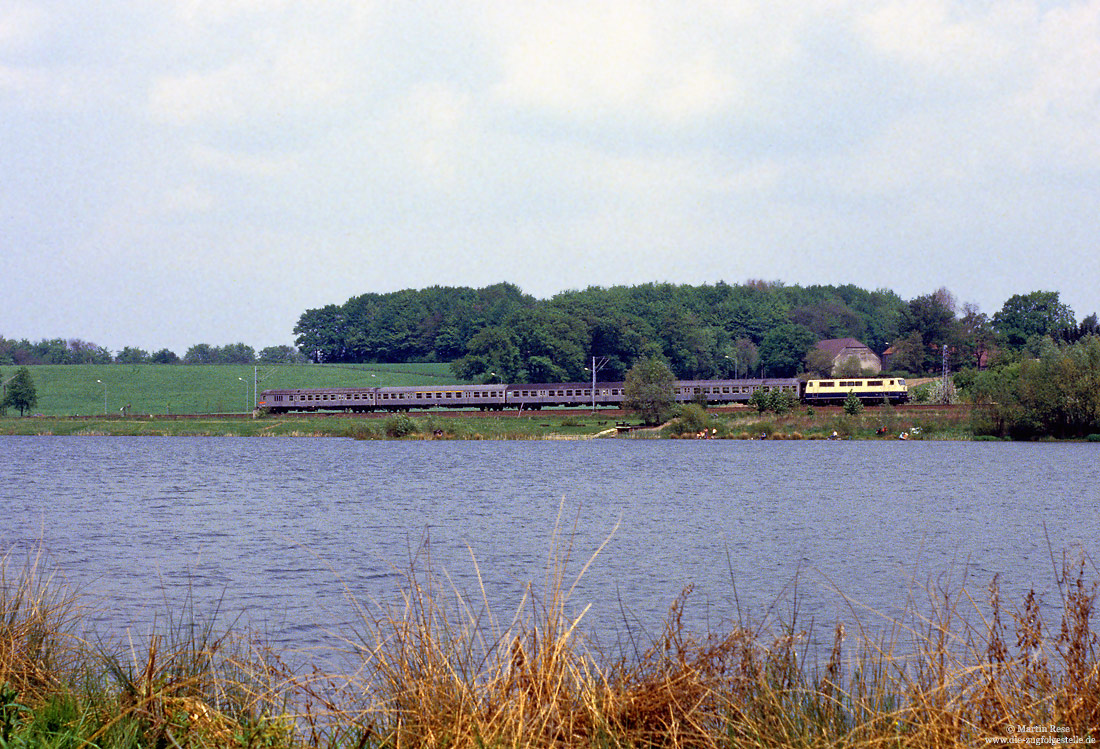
column 276, row 79
column 260, row 59
column 21, row 25
column 434, row 129
column 63, row 88
column 187, row 199
column 263, row 165
column 946, row 37
column 1065, row 98
column 588, row 62
column 212, row 12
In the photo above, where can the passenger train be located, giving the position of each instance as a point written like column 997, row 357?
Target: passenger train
column 575, row 394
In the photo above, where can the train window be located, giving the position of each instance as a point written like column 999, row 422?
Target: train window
column 874, row 383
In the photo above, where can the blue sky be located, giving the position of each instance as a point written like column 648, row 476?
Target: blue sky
column 188, row 171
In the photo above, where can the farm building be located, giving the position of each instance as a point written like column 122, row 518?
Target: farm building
column 842, row 349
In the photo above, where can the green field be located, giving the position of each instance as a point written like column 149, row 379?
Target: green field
column 79, row 389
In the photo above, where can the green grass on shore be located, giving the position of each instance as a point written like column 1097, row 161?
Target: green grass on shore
column 78, row 390
column 736, row 423
column 424, row 426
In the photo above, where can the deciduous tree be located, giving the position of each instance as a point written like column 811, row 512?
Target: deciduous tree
column 21, row 392
column 1025, row 316
column 784, row 349
column 649, row 390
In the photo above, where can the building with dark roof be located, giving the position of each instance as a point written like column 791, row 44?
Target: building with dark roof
column 840, row 350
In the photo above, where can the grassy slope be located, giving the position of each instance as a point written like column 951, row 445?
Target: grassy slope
column 160, row 389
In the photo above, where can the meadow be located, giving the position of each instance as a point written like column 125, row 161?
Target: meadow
column 161, row 389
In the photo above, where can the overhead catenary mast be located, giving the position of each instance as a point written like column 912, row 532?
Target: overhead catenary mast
column 597, row 364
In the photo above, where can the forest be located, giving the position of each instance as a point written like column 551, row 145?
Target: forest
column 722, row 330
column 758, row 328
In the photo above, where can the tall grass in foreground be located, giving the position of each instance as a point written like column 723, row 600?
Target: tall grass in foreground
column 437, row 668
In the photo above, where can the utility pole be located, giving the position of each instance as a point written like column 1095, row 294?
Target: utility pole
column 945, row 395
column 597, row 365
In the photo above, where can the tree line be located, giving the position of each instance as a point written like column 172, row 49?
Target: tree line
column 76, row 351
column 758, row 328
column 498, row 333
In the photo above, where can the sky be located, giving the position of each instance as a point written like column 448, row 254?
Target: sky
column 203, row 171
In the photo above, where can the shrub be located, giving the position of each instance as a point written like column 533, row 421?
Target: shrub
column 399, row 425
column 921, row 393
column 853, row 406
column 693, row 419
column 784, row 402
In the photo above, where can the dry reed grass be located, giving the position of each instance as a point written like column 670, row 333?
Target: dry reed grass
column 190, row 686
column 437, row 668
column 39, row 627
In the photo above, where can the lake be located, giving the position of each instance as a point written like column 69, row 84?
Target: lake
column 283, row 532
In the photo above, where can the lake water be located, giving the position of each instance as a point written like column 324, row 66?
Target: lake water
column 282, row 531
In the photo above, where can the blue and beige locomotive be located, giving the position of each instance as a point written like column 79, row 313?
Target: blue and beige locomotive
column 572, row 394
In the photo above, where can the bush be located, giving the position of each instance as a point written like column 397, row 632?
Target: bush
column 784, row 402
column 761, row 400
column 853, row 406
column 693, row 419
column 921, row 393
column 399, row 426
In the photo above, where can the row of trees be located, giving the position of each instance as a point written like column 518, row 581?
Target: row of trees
column 76, row 351
column 1055, row 394
column 719, row 330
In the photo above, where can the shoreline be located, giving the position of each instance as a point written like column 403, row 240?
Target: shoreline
column 929, row 423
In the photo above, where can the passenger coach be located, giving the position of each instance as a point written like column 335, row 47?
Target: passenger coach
column 497, row 397
column 535, row 396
